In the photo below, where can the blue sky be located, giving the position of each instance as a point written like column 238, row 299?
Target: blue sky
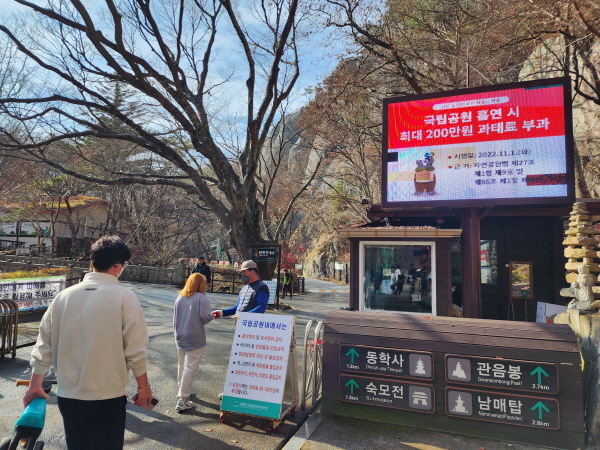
column 317, row 59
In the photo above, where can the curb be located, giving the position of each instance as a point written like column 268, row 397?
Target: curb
column 304, row 432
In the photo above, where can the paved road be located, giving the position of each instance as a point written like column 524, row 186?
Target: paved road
column 164, row 428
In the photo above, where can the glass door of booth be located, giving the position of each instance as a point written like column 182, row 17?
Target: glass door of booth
column 398, row 277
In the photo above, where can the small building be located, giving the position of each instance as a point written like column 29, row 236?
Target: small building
column 476, row 187
column 515, row 248
column 52, row 225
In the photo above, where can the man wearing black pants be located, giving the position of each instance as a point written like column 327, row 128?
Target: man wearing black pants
column 93, row 334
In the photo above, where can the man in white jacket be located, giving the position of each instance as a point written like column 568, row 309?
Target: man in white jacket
column 93, row 334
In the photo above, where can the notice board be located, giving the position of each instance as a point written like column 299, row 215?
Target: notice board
column 511, row 381
column 32, row 293
column 255, row 381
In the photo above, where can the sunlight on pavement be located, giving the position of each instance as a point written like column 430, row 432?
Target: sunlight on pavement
column 423, row 446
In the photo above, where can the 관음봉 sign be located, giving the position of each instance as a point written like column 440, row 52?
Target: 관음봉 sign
column 257, row 369
column 516, row 375
column 32, row 293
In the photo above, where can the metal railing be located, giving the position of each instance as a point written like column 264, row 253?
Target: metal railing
column 9, row 320
column 312, row 364
column 231, row 282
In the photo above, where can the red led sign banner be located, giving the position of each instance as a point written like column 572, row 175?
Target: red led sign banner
column 506, row 144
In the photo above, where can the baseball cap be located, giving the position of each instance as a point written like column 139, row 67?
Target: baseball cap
column 248, row 265
column 200, row 257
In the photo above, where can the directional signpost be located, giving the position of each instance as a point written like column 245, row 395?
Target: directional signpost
column 388, row 393
column 499, row 407
column 517, row 382
column 516, row 375
column 386, row 361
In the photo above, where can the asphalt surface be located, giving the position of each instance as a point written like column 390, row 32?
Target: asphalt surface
column 165, row 428
column 199, row 428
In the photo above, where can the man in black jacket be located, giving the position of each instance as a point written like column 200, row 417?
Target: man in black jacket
column 202, row 268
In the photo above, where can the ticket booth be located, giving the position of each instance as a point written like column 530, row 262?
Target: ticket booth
column 515, row 249
column 401, row 269
column 476, row 184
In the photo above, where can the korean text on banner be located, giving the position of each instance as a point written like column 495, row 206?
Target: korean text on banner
column 32, row 293
column 272, row 284
column 256, row 374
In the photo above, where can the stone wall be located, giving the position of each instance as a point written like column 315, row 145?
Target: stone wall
column 138, row 274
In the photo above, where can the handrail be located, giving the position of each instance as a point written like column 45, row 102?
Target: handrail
column 9, row 322
column 303, row 393
column 312, row 364
column 317, row 364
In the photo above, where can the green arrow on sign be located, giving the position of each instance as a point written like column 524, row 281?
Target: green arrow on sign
column 539, row 371
column 352, row 353
column 539, row 406
column 352, row 385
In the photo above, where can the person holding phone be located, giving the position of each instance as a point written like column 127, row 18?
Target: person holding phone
column 94, row 334
column 192, row 311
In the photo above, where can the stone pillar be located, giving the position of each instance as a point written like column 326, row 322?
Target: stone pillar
column 179, row 272
column 587, row 329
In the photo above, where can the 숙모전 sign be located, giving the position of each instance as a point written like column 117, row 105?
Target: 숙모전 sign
column 502, row 373
column 258, row 362
column 537, row 412
column 388, row 393
column 386, row 361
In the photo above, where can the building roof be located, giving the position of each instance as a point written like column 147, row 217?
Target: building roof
column 387, row 228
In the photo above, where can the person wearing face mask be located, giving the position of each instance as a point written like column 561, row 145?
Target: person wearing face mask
column 253, row 297
column 94, row 334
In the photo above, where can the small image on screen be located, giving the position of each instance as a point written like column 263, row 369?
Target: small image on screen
column 504, row 144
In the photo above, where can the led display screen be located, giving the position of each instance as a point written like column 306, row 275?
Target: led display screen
column 505, row 144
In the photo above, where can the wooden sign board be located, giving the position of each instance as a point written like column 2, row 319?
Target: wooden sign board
column 388, row 393
column 494, row 406
column 521, row 381
column 386, row 361
column 258, row 362
column 507, row 374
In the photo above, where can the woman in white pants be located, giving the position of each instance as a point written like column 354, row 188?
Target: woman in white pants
column 192, row 311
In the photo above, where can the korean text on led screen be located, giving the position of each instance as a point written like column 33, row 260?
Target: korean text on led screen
column 503, row 144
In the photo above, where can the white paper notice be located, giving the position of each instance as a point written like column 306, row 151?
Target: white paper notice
column 255, row 381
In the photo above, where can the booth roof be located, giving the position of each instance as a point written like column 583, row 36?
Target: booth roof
column 383, row 228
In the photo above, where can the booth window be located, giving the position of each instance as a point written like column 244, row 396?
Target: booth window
column 398, row 276
column 489, row 262
column 521, row 284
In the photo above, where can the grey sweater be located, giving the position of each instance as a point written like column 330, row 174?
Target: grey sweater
column 191, row 313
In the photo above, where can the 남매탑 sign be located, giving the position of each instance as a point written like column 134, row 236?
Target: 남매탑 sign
column 32, row 293
column 537, row 412
column 256, row 373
